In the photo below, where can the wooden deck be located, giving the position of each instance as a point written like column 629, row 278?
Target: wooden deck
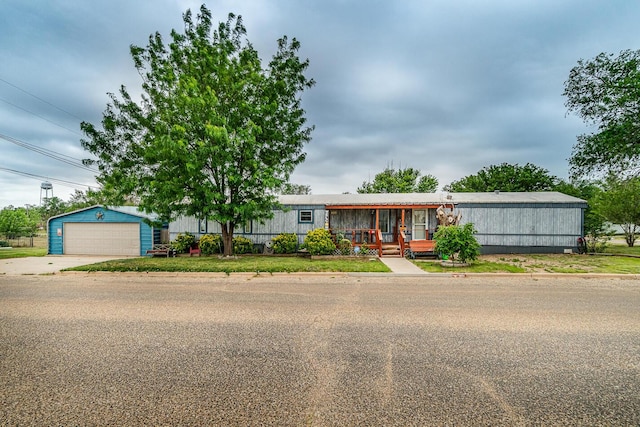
column 373, row 239
column 421, row 247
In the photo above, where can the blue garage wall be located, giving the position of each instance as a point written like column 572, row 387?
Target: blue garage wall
column 55, row 233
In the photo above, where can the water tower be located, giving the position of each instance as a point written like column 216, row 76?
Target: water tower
column 46, row 187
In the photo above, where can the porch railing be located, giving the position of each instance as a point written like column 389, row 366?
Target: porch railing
column 402, row 241
column 358, row 236
column 379, row 242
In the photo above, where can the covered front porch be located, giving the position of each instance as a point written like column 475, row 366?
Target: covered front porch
column 388, row 229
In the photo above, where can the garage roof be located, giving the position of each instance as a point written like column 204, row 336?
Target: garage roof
column 129, row 210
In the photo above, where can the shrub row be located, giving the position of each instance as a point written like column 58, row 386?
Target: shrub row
column 317, row 242
column 454, row 241
column 210, row 244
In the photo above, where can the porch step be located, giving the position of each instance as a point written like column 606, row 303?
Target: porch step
column 391, row 250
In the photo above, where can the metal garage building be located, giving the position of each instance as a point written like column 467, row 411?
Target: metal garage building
column 98, row 230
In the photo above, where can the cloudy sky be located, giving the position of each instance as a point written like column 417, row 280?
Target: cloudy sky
column 443, row 86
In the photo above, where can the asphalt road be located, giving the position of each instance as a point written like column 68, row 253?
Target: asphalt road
column 320, row 351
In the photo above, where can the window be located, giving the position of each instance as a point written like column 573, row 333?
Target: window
column 246, row 229
column 203, row 226
column 305, row 216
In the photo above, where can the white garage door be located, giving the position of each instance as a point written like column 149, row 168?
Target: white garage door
column 85, row 238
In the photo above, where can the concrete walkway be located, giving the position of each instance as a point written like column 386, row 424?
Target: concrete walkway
column 49, row 264
column 402, row 266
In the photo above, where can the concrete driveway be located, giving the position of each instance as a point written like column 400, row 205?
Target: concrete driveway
column 48, row 264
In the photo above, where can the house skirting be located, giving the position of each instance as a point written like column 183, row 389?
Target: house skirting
column 505, row 249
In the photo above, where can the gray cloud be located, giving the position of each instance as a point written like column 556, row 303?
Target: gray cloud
column 445, row 87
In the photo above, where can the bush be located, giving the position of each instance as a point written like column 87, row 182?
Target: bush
column 4, row 244
column 210, row 244
column 597, row 241
column 457, row 241
column 318, row 242
column 364, row 249
column 242, row 245
column 344, row 246
column 285, row 243
column 183, row 242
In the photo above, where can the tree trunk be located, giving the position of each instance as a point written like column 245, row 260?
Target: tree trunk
column 629, row 234
column 227, row 238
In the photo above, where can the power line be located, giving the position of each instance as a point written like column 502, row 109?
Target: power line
column 49, row 153
column 39, row 116
column 40, row 177
column 40, row 99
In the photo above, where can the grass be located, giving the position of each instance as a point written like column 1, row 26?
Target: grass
column 433, row 266
column 597, row 264
column 246, row 264
column 22, row 247
column 542, row 263
column 22, row 252
column 623, row 249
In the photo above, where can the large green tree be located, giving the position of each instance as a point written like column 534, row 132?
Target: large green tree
column 215, row 134
column 605, row 92
column 406, row 180
column 505, row 177
column 620, row 204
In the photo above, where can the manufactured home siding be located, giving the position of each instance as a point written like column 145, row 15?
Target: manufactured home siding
column 506, row 222
column 283, row 221
column 552, row 226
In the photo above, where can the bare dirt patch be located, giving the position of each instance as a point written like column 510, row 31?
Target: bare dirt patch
column 550, row 263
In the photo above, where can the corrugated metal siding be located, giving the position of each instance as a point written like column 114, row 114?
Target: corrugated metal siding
column 282, row 222
column 525, row 226
column 55, row 241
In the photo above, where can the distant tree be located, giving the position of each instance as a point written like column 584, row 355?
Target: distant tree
column 289, row 188
column 596, row 228
column 620, row 204
column 215, row 136
column 427, row 184
column 17, row 222
column 82, row 199
column 52, row 207
column 406, row 180
column 589, row 191
column 605, row 91
column 505, row 177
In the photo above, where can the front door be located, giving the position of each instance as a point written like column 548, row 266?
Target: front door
column 420, row 224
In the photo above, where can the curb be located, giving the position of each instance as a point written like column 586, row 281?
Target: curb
column 356, row 274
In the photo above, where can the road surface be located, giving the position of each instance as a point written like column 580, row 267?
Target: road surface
column 124, row 349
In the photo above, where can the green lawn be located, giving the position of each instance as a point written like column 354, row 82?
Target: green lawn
column 623, row 249
column 553, row 263
column 22, row 252
column 247, row 264
column 480, row 266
